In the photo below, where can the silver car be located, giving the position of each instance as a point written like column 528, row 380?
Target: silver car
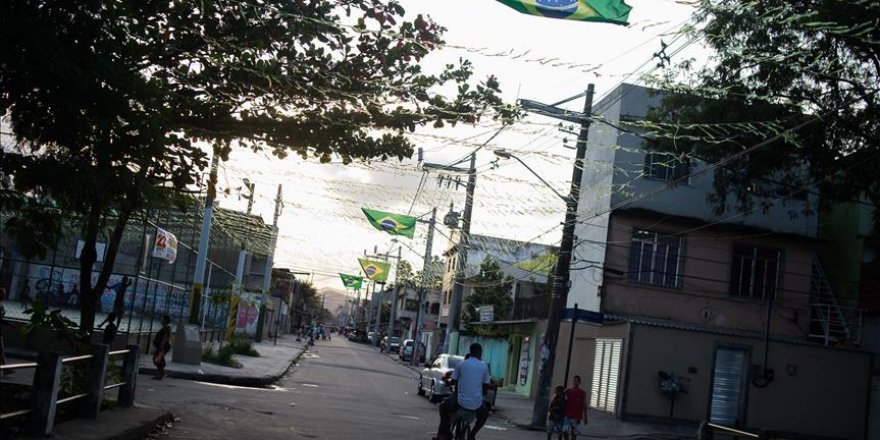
column 432, row 380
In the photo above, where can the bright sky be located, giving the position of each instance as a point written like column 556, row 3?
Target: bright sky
column 322, row 229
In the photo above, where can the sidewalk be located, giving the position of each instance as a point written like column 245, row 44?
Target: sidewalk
column 138, row 422
column 517, row 409
column 273, row 362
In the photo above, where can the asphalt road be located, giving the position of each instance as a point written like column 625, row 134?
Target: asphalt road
column 339, row 390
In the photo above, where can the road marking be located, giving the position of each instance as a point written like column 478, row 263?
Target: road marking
column 409, row 417
column 309, row 385
column 494, row 428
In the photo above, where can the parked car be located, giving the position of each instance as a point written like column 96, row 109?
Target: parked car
column 357, row 336
column 406, row 351
column 391, row 345
column 433, row 379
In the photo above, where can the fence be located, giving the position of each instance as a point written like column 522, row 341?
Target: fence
column 45, row 387
column 159, row 287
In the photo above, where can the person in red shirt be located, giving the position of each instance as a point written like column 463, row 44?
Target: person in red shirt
column 575, row 409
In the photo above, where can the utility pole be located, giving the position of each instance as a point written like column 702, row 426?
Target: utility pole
column 393, row 315
column 559, row 296
column 425, row 278
column 202, row 257
column 267, row 269
column 454, row 320
column 377, row 299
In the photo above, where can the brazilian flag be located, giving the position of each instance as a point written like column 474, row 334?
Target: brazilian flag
column 352, row 281
column 375, row 270
column 606, row 11
column 394, row 224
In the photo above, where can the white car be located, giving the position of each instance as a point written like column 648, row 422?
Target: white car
column 432, row 380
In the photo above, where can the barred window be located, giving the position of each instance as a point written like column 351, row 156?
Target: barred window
column 755, row 271
column 655, row 258
column 664, row 166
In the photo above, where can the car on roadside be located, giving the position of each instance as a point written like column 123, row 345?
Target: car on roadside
column 434, row 377
column 406, row 351
column 357, row 336
column 391, row 345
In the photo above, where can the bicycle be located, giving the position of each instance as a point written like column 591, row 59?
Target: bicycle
column 462, row 424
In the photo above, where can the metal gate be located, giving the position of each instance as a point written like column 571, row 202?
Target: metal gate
column 729, row 380
column 606, row 369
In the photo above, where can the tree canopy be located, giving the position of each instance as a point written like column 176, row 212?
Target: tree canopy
column 490, row 288
column 799, row 80
column 115, row 106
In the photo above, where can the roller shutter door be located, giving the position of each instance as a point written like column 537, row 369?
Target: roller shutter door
column 606, row 372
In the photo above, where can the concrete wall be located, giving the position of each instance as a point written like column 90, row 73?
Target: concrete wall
column 704, row 296
column 595, row 199
column 687, row 199
column 817, row 391
column 583, row 352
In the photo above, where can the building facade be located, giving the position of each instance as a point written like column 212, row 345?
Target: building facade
column 707, row 315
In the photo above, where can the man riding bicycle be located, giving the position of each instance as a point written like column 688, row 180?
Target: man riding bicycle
column 471, row 380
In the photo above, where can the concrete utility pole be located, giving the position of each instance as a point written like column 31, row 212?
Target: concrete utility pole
column 195, row 304
column 267, row 269
column 425, row 278
column 450, row 344
column 378, row 303
column 393, row 317
column 559, row 296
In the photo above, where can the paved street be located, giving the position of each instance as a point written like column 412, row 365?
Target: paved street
column 339, row 390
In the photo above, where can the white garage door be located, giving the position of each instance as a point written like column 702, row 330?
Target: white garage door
column 606, row 368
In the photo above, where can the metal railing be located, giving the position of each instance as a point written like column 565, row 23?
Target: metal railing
column 46, row 384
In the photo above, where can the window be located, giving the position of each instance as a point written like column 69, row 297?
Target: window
column 654, row 258
column 666, row 167
column 754, row 271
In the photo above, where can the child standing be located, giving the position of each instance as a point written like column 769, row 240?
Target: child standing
column 556, row 413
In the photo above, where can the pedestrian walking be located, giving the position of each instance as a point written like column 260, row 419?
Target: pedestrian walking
column 56, row 299
column 119, row 299
column 110, row 330
column 575, row 409
column 24, row 295
column 162, row 345
column 556, row 413
column 73, row 296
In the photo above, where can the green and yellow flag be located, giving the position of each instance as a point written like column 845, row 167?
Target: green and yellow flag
column 394, row 224
column 351, row 281
column 606, row 11
column 375, row 270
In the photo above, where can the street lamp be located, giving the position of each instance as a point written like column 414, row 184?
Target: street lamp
column 504, row 154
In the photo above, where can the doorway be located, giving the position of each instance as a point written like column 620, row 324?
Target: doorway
column 729, row 385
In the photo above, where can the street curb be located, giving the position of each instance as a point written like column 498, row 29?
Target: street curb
column 143, row 431
column 242, row 381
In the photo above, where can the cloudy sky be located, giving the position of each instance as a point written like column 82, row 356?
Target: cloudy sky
column 322, row 230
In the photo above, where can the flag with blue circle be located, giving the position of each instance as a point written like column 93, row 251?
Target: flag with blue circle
column 351, row 281
column 394, row 224
column 606, row 11
column 375, row 270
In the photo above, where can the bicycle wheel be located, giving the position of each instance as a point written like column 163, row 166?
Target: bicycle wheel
column 461, row 430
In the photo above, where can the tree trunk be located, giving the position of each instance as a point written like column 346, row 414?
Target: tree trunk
column 91, row 294
column 87, row 259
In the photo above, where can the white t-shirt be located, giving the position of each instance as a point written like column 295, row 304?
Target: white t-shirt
column 471, row 375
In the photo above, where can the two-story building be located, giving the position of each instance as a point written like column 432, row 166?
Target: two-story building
column 706, row 315
column 510, row 343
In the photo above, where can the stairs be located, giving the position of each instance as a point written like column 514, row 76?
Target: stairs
column 830, row 322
